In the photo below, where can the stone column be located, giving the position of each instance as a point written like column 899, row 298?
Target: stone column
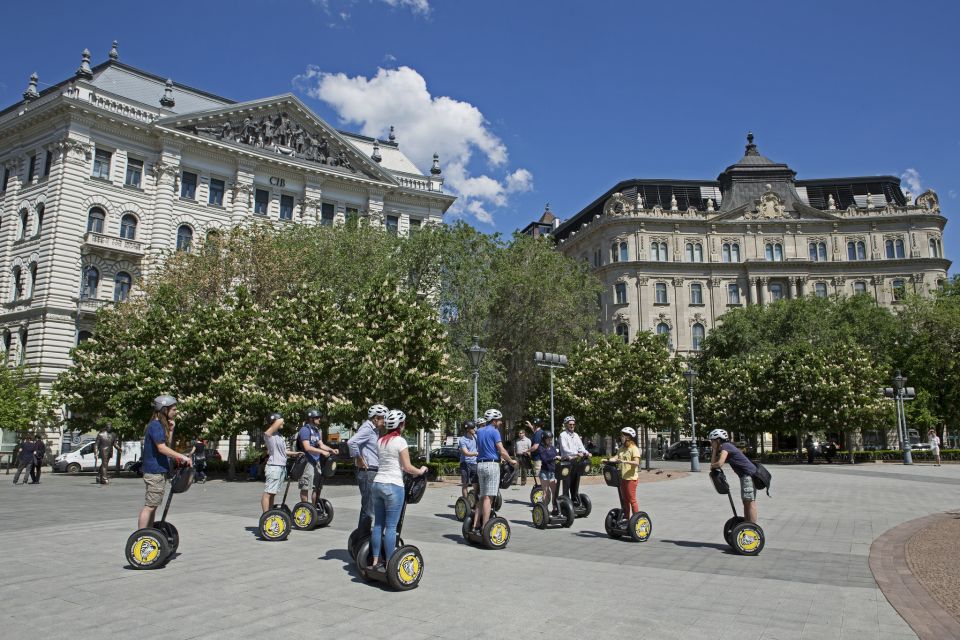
column 716, row 300
column 642, row 316
column 375, row 207
column 802, row 286
column 679, row 304
column 761, row 294
column 242, row 193
column 166, row 173
column 838, row 283
column 793, row 287
column 877, row 283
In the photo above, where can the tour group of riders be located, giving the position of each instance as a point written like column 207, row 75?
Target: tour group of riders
column 381, row 457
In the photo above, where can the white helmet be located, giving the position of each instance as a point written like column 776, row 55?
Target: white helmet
column 394, row 419
column 630, row 432
column 718, row 434
column 569, row 419
column 492, row 414
column 377, row 410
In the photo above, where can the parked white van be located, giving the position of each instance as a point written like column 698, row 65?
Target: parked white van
column 85, row 458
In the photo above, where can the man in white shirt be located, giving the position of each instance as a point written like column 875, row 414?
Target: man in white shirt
column 521, row 448
column 571, row 448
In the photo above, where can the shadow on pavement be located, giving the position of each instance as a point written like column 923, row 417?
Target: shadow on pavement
column 448, row 516
column 706, row 545
column 456, row 538
column 523, row 523
column 591, row 534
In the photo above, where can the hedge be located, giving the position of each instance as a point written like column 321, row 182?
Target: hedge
column 919, row 455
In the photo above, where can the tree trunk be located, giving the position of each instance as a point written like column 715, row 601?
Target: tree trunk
column 232, row 458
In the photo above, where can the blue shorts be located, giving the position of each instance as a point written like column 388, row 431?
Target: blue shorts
column 547, row 476
column 468, row 474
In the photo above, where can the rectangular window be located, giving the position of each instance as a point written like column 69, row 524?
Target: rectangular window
column 188, row 186
column 859, row 287
column 216, row 192
column 47, row 161
column 134, row 176
column 23, row 346
column 776, row 292
column 596, row 257
column 620, row 293
column 32, row 170
column 286, row 207
column 261, row 201
column 820, row 289
column 393, row 224
column 6, row 179
column 899, row 289
column 696, row 294
column 327, row 211
column 415, row 224
column 101, row 164
column 733, row 293
column 624, row 256
column 661, row 293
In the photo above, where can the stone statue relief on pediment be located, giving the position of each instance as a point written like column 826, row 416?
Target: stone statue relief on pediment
column 929, row 200
column 768, row 207
column 617, row 205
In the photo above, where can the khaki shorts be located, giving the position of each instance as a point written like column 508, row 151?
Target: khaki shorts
column 536, row 466
column 308, row 478
column 156, row 483
column 747, row 491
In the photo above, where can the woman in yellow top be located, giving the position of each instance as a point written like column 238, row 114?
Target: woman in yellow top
column 629, row 459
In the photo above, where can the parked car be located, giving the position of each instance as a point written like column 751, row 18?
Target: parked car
column 920, row 446
column 445, row 453
column 681, row 450
column 85, row 458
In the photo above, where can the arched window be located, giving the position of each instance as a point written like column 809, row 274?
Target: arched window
column 184, row 238
column 623, row 331
column 820, row 289
column 661, row 293
column 91, row 281
column 813, row 251
column 851, row 251
column 899, row 246
column 733, row 293
column 33, row 278
column 23, row 346
column 618, row 252
column 620, row 293
column 694, row 252
column 698, row 334
column 725, row 252
column 83, row 336
column 735, row 252
column 17, row 289
column 658, row 251
column 861, row 250
column 689, row 252
column 40, row 212
column 889, row 247
column 663, row 329
column 822, row 251
column 768, row 252
column 121, row 286
column 933, row 248
column 95, row 220
column 24, row 221
column 7, row 345
column 128, row 227
column 696, row 293
column 778, row 252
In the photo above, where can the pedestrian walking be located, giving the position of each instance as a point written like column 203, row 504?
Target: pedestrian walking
column 364, row 449
column 934, row 440
column 521, row 449
column 198, row 453
column 810, row 447
column 106, row 445
column 40, row 450
column 26, row 458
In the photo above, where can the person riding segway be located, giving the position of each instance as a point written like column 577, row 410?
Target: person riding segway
column 152, row 545
column 485, row 527
column 364, row 450
column 562, row 513
column 536, row 437
column 468, row 471
column 276, row 520
column 743, row 534
column 622, row 472
column 574, row 462
column 315, row 512
column 391, row 493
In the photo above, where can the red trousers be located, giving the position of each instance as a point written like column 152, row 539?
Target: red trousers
column 628, row 497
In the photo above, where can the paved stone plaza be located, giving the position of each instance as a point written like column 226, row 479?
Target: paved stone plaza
column 65, row 575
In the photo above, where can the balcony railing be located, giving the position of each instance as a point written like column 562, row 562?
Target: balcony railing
column 112, row 244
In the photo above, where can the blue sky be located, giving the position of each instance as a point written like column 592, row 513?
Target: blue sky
column 533, row 102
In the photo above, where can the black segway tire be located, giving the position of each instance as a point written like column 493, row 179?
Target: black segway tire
column 565, row 506
column 640, row 527
column 275, row 525
column 363, row 559
column 460, row 509
column 405, row 568
column 540, row 516
column 147, row 548
column 467, row 528
column 173, row 536
column 586, row 504
column 611, row 523
column 497, row 502
column 304, row 516
column 536, row 494
column 729, row 525
column 496, row 533
column 354, row 541
column 471, row 499
column 747, row 539
column 325, row 514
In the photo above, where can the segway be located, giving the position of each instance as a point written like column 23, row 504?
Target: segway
column 745, row 538
column 151, row 547
column 569, row 472
column 319, row 513
column 276, row 523
column 404, row 568
column 462, row 508
column 536, row 493
column 496, row 533
column 638, row 527
column 543, row 517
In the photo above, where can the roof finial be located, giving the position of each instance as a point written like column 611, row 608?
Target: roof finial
column 392, row 137
column 85, row 71
column 31, row 92
column 375, row 156
column 435, row 169
column 167, row 99
column 751, row 148
column 114, row 54
column 546, row 207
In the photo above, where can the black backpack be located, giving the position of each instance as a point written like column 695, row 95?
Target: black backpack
column 762, row 478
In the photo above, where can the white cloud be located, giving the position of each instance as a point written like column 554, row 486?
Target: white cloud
column 426, row 124
column 911, row 178
column 417, row 6
column 389, row 58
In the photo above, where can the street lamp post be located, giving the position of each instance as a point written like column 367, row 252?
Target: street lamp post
column 900, row 391
column 690, row 374
column 475, row 352
column 551, row 361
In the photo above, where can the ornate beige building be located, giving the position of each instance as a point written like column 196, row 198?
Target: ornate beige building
column 675, row 255
column 110, row 169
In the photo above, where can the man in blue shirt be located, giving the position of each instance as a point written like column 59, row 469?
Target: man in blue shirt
column 536, row 439
column 489, row 452
column 156, row 456
column 310, row 441
column 468, row 456
column 365, row 451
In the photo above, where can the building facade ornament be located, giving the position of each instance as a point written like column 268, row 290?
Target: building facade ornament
column 68, row 145
column 616, row 205
column 928, row 200
column 697, row 319
column 665, row 319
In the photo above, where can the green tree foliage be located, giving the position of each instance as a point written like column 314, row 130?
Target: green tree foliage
column 21, row 403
